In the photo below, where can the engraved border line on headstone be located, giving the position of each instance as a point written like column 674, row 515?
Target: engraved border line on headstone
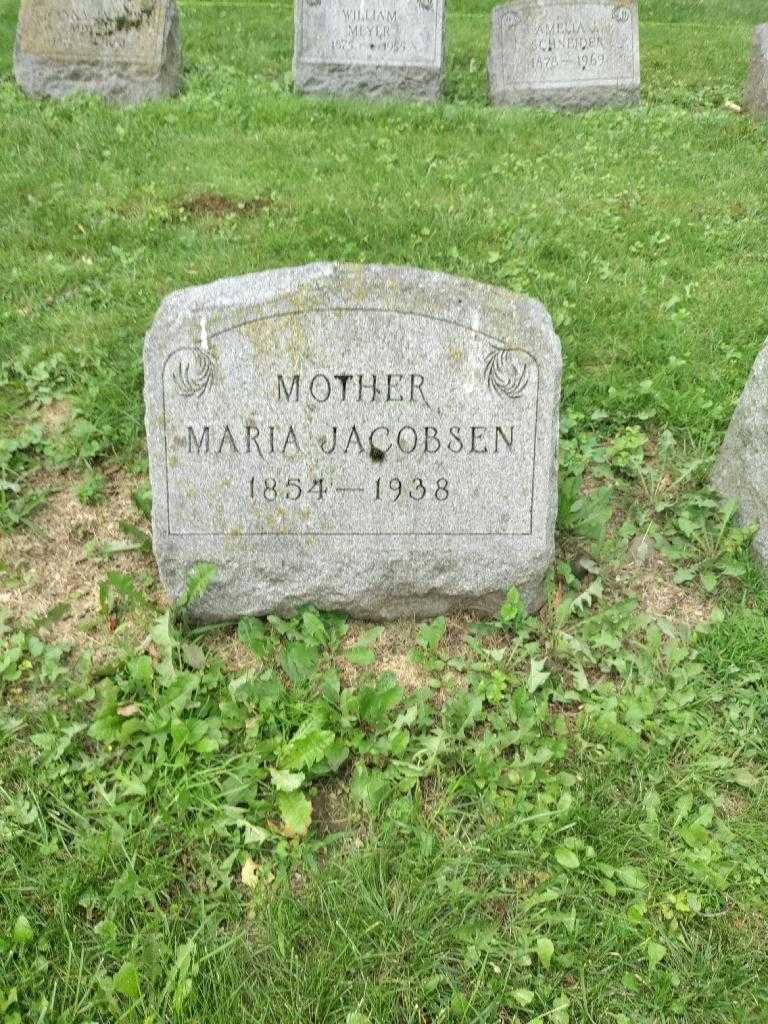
column 498, row 347
column 425, row 62
column 621, row 13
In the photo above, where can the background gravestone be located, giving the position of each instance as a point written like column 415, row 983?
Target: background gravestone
column 573, row 54
column 377, row 440
column 371, row 48
column 756, row 92
column 125, row 50
column 742, row 469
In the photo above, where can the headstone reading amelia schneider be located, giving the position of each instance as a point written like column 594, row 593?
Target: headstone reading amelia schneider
column 376, row 440
column 741, row 471
column 574, row 54
column 128, row 51
column 376, row 49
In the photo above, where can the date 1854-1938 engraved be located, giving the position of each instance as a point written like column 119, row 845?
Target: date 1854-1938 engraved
column 393, row 489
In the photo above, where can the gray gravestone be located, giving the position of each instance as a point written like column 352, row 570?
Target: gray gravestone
column 128, row 51
column 573, row 54
column 742, row 468
column 756, row 92
column 377, row 49
column 377, row 440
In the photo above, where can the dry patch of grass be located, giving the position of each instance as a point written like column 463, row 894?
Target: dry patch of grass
column 225, row 644
column 55, row 416
column 55, row 561
column 330, row 807
column 733, row 805
column 662, row 599
column 393, row 650
column 650, row 578
column 48, row 563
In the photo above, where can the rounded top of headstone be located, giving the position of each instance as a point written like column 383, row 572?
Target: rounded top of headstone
column 369, row 287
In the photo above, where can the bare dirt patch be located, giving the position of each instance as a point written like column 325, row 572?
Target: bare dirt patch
column 226, row 645
column 330, row 806
column 650, row 578
column 733, row 805
column 662, row 599
column 393, row 650
column 55, row 416
column 211, row 204
column 55, row 561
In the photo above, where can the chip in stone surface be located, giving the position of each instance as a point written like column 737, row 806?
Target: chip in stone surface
column 572, row 54
column 127, row 51
column 375, row 440
column 375, row 49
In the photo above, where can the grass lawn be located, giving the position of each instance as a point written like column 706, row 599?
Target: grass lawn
column 560, row 819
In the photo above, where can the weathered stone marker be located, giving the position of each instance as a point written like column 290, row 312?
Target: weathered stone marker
column 125, row 50
column 377, row 49
column 756, row 92
column 742, row 468
column 377, row 440
column 571, row 54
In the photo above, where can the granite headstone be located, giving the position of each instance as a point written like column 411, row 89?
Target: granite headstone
column 377, row 440
column 756, row 92
column 741, row 471
column 572, row 54
column 376, row 49
column 128, row 51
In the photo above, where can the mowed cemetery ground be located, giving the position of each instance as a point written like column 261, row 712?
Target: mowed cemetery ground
column 552, row 819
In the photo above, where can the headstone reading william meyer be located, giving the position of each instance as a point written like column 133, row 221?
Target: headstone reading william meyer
column 756, row 92
column 376, row 49
column 128, row 51
column 573, row 54
column 742, row 469
column 376, row 440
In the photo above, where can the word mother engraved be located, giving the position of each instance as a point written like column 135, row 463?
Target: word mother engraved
column 566, row 53
column 369, row 48
column 373, row 439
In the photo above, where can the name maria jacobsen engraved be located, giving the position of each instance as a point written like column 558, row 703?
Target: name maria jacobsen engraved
column 508, row 377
